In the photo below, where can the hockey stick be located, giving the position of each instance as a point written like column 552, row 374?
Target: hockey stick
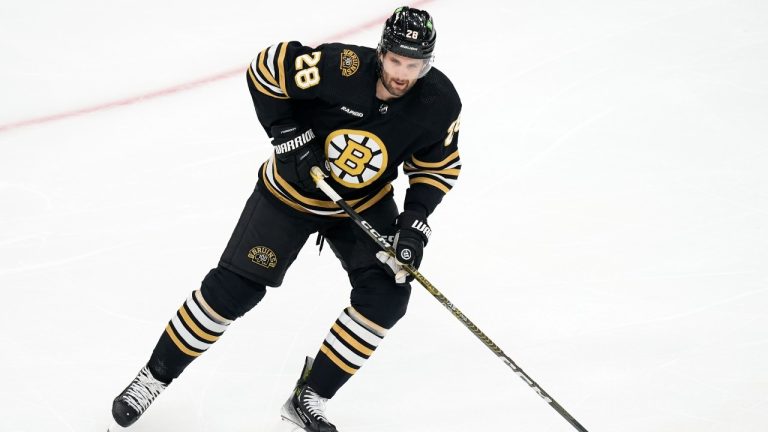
column 319, row 177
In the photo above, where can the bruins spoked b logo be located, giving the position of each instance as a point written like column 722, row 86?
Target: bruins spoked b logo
column 357, row 157
column 263, row 256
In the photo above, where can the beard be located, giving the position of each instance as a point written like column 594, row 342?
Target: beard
column 396, row 88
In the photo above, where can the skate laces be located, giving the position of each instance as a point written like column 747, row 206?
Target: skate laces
column 143, row 390
column 314, row 403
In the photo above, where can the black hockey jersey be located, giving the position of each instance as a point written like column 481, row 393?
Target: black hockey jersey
column 332, row 88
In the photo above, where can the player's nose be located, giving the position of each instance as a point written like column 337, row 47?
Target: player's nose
column 401, row 74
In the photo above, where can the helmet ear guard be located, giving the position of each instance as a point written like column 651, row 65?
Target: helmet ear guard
column 411, row 33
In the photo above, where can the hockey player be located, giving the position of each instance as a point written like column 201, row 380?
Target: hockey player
column 359, row 114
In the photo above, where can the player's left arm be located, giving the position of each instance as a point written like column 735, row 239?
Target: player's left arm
column 433, row 171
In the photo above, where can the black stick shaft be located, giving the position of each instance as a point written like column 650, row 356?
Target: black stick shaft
column 385, row 246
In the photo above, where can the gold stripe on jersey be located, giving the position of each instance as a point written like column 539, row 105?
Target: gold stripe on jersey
column 441, row 175
column 443, row 172
column 267, row 71
column 264, row 70
column 446, row 161
column 288, row 195
column 262, row 88
column 285, row 197
column 336, row 360
column 373, row 200
column 447, row 175
column 301, row 198
column 180, row 345
column 285, row 200
column 431, row 182
column 281, row 67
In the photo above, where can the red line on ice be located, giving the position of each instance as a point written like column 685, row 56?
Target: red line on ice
column 180, row 87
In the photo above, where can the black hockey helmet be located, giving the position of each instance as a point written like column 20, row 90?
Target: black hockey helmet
column 409, row 32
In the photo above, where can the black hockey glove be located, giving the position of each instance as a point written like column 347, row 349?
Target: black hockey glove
column 297, row 150
column 412, row 235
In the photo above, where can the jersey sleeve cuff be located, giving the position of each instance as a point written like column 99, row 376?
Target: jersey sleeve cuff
column 422, row 198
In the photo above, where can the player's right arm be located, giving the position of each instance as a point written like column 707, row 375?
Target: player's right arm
column 281, row 74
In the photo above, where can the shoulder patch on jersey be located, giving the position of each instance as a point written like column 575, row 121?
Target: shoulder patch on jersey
column 350, row 63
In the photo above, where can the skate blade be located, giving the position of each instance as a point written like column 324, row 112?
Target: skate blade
column 294, row 427
column 287, row 416
column 114, row 427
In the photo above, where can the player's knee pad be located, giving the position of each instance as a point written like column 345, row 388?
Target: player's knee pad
column 376, row 296
column 230, row 294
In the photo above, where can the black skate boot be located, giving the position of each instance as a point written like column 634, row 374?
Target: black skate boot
column 129, row 405
column 305, row 408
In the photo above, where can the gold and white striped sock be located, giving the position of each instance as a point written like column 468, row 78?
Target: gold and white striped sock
column 352, row 340
column 196, row 326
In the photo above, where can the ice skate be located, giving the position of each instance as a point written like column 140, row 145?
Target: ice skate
column 129, row 405
column 305, row 408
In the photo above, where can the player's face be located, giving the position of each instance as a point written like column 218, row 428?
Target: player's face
column 399, row 73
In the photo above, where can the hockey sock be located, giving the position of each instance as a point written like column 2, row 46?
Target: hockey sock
column 194, row 328
column 351, row 341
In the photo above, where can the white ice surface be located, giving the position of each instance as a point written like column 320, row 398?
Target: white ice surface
column 609, row 230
